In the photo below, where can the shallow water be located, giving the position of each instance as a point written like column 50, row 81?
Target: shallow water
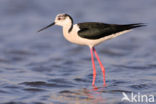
column 43, row 68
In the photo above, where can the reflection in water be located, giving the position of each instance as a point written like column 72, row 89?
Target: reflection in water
column 95, row 95
column 80, row 96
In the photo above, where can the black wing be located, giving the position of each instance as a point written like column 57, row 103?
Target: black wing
column 93, row 30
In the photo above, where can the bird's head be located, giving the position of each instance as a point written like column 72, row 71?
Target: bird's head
column 63, row 19
column 60, row 20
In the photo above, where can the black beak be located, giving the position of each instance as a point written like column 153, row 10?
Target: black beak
column 47, row 27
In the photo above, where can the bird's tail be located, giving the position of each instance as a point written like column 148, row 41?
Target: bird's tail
column 131, row 26
column 137, row 25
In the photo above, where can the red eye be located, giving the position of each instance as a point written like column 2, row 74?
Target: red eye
column 59, row 18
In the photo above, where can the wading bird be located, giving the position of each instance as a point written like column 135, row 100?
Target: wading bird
column 90, row 34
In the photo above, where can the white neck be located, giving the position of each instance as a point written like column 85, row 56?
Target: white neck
column 68, row 27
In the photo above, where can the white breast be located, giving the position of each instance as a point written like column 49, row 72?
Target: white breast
column 73, row 36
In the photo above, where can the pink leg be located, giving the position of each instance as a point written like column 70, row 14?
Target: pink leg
column 102, row 67
column 93, row 64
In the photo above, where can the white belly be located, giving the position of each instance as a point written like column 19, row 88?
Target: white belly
column 73, row 37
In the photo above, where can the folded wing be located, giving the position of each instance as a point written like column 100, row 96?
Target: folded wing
column 94, row 30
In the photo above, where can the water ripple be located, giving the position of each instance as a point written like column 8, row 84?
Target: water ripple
column 44, row 84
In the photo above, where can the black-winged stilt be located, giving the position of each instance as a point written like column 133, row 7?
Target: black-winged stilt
column 90, row 34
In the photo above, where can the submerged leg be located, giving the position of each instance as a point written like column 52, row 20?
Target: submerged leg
column 102, row 67
column 93, row 64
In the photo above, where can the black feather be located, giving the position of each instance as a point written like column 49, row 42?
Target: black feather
column 94, row 30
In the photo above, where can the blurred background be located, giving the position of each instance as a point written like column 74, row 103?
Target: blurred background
column 43, row 68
